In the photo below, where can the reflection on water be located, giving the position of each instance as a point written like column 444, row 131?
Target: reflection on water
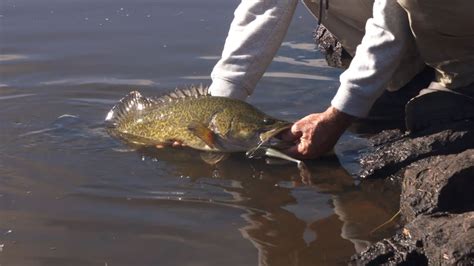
column 171, row 197
column 274, row 227
column 71, row 195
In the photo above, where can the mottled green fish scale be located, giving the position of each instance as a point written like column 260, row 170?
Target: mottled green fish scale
column 235, row 125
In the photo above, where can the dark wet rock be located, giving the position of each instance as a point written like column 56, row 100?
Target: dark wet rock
column 443, row 239
column 436, row 170
column 331, row 48
column 387, row 136
column 397, row 250
column 389, row 157
column 447, row 239
column 439, row 184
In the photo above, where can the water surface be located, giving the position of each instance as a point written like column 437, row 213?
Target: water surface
column 71, row 195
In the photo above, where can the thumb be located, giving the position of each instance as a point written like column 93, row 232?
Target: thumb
column 296, row 130
column 287, row 135
column 292, row 151
column 291, row 134
column 297, row 151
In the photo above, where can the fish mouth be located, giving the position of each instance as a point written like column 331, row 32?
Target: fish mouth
column 266, row 136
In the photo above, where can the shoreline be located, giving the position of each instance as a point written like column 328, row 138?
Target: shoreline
column 435, row 169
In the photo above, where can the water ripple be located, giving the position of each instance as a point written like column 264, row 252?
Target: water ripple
column 300, row 46
column 15, row 96
column 11, row 57
column 103, row 80
column 276, row 75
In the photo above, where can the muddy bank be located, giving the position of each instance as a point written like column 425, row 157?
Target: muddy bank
column 435, row 170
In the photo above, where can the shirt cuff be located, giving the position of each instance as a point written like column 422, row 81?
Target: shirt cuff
column 224, row 88
column 350, row 103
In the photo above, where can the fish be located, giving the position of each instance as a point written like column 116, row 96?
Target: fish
column 194, row 118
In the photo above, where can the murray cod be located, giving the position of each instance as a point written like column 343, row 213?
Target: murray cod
column 194, row 118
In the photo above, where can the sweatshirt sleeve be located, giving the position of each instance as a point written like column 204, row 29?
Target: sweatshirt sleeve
column 254, row 37
column 376, row 59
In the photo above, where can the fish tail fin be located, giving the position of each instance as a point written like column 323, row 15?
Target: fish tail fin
column 128, row 107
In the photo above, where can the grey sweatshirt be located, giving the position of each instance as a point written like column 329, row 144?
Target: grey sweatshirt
column 257, row 32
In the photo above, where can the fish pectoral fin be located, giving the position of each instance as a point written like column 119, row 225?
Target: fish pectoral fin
column 213, row 158
column 278, row 154
column 303, row 169
column 204, row 133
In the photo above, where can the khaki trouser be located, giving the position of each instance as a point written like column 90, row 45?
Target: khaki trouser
column 346, row 20
column 443, row 35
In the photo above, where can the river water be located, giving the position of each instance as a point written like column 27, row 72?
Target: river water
column 71, row 195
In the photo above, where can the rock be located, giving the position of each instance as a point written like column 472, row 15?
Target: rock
column 399, row 249
column 389, row 158
column 331, row 48
column 447, row 239
column 439, row 184
column 436, row 170
column 427, row 240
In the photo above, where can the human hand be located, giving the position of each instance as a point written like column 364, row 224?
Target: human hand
column 316, row 134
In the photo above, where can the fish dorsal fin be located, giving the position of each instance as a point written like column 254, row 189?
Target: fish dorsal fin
column 182, row 93
column 130, row 105
column 134, row 103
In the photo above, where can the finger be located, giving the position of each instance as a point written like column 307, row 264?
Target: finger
column 159, row 146
column 294, row 152
column 302, row 150
column 296, row 129
column 287, row 135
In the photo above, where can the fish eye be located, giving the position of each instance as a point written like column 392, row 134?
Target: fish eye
column 268, row 121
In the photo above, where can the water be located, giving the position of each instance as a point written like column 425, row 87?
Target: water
column 71, row 195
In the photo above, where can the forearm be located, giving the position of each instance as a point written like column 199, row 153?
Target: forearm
column 376, row 59
column 254, row 37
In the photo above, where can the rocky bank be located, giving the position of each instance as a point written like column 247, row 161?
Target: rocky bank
column 435, row 169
